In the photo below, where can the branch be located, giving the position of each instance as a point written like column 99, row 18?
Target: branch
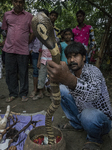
column 8, row 128
column 24, row 128
column 14, row 113
column 102, row 9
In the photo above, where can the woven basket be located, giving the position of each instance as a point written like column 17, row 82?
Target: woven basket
column 30, row 145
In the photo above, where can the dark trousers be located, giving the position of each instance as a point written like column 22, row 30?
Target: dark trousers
column 3, row 57
column 16, row 64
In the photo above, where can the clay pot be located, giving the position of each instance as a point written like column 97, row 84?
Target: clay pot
column 30, row 145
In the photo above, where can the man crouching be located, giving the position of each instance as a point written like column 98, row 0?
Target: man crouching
column 84, row 95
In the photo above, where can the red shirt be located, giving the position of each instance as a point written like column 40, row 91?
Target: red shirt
column 18, row 28
column 83, row 35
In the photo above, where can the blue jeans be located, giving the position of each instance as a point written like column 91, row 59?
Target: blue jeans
column 34, row 63
column 92, row 120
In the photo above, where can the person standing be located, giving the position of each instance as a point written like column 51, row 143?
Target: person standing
column 67, row 34
column 53, row 17
column 44, row 56
column 17, row 24
column 2, row 32
column 83, row 33
column 34, row 47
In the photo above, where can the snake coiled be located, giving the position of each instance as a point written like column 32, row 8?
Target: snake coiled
column 43, row 30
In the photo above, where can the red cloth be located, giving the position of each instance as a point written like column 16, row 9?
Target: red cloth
column 40, row 50
column 58, row 138
column 92, row 59
column 39, row 140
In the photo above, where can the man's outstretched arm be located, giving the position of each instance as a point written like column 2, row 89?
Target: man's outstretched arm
column 61, row 74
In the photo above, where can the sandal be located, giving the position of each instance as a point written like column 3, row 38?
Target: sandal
column 91, row 146
column 24, row 99
column 10, row 99
column 33, row 93
column 38, row 97
column 68, row 126
column 47, row 93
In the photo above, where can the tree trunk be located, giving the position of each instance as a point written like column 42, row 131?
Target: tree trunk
column 107, row 48
column 103, row 44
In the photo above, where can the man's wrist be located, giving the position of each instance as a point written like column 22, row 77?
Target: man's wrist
column 72, row 82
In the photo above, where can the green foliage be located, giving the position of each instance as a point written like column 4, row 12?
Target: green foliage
column 105, row 65
column 97, row 12
column 4, row 7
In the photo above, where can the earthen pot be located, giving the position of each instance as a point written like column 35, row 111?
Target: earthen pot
column 41, row 130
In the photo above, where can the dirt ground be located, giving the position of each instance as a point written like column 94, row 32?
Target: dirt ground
column 74, row 139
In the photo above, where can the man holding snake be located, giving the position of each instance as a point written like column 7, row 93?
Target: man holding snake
column 84, row 95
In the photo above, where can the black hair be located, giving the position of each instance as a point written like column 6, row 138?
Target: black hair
column 75, row 47
column 23, row 1
column 67, row 30
column 54, row 12
column 80, row 12
column 45, row 11
column 61, row 31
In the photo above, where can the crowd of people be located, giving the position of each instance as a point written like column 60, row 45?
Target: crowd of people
column 84, row 95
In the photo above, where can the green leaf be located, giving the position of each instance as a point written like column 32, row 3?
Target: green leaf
column 64, row 4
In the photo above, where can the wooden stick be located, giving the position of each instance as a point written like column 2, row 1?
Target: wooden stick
column 8, row 128
column 14, row 113
column 14, row 106
column 24, row 128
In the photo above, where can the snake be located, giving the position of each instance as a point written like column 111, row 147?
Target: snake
column 43, row 30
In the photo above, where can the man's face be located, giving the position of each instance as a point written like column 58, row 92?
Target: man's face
column 53, row 17
column 68, row 36
column 18, row 5
column 80, row 18
column 75, row 61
